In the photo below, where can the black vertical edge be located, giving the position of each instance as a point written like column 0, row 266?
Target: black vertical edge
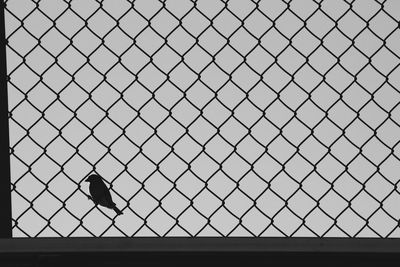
column 5, row 179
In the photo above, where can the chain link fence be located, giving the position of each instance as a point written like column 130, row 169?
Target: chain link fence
column 206, row 118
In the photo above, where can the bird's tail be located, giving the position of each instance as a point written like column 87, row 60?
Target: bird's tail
column 117, row 210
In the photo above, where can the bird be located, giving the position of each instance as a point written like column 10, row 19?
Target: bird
column 100, row 194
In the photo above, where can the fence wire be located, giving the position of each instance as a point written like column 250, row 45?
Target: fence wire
column 206, row 118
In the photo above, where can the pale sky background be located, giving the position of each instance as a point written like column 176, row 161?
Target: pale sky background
column 164, row 111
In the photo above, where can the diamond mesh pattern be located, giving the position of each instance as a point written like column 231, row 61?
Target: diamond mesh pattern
column 206, row 118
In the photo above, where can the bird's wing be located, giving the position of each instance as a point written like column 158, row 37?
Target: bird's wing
column 100, row 194
column 105, row 201
column 108, row 199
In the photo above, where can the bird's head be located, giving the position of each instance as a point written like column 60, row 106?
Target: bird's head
column 92, row 178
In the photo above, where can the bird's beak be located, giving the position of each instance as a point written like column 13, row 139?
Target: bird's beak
column 87, row 180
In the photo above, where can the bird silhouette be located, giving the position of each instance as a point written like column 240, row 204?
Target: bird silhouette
column 100, row 194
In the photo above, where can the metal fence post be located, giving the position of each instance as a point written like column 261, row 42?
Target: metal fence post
column 5, row 182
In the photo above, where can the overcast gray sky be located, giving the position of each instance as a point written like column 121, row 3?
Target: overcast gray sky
column 235, row 103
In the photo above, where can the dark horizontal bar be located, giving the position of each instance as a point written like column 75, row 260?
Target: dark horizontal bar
column 199, row 244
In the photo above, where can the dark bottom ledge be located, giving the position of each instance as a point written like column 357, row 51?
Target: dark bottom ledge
column 100, row 259
column 199, row 251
